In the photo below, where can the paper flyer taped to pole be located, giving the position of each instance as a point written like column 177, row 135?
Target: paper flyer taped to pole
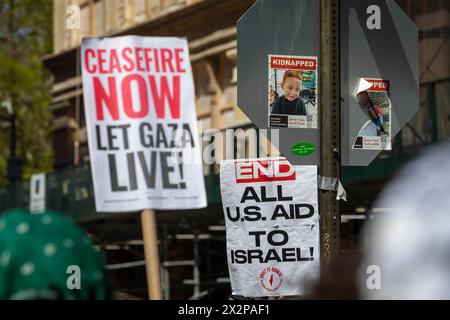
column 272, row 222
column 374, row 101
column 142, row 126
column 293, row 92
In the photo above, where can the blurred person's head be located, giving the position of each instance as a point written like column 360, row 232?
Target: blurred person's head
column 409, row 243
column 47, row 257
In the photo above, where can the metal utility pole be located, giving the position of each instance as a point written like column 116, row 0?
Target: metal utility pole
column 12, row 141
column 14, row 164
column 330, row 165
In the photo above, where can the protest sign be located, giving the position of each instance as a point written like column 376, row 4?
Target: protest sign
column 373, row 97
column 293, row 92
column 272, row 222
column 141, row 122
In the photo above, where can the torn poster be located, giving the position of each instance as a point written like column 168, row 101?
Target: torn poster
column 374, row 101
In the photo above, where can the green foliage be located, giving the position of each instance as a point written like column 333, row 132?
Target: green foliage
column 25, row 37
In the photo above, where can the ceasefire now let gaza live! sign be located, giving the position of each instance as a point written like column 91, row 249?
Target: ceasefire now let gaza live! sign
column 272, row 222
column 141, row 122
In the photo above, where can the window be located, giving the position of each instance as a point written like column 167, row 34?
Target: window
column 141, row 10
column 111, row 15
column 85, row 21
column 99, row 18
column 121, row 12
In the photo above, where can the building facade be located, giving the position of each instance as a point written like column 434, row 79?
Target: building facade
column 209, row 27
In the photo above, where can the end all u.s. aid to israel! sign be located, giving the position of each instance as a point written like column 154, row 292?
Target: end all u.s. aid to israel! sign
column 272, row 223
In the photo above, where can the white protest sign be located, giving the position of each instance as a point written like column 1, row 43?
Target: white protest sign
column 272, row 221
column 140, row 112
column 37, row 193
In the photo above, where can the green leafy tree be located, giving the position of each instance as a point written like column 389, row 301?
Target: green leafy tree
column 25, row 37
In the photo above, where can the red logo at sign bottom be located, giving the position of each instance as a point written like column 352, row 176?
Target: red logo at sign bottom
column 271, row 279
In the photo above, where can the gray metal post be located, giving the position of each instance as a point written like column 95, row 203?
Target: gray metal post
column 330, row 128
column 196, row 276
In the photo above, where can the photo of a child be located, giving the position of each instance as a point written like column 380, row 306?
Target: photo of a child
column 292, row 96
column 290, row 103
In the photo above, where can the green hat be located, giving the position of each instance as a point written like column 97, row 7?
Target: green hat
column 45, row 257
